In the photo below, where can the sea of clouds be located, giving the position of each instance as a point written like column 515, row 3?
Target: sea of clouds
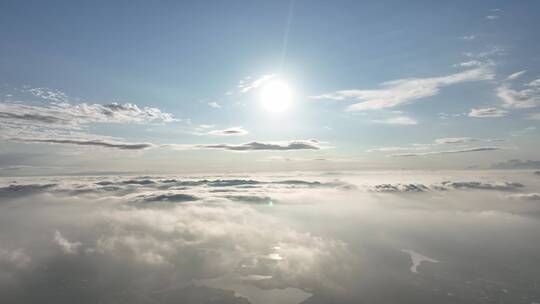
column 308, row 237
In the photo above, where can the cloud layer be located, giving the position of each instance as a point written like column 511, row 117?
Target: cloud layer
column 259, row 239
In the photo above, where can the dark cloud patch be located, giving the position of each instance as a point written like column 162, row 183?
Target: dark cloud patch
column 138, row 182
column 16, row 190
column 232, row 182
column 502, row 186
column 251, row 199
column 299, row 183
column 168, row 197
column 104, row 183
column 400, row 188
column 446, row 185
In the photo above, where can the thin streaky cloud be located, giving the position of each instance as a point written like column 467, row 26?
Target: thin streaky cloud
column 516, row 75
column 487, row 113
column 96, row 143
column 478, row 149
column 402, row 91
column 462, row 140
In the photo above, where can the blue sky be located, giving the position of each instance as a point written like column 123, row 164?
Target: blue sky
column 169, row 85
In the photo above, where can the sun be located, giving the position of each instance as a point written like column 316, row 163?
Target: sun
column 276, row 96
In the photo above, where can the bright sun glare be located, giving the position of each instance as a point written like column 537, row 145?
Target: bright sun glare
column 276, row 96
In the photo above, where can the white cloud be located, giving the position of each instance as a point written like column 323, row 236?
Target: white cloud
column 519, row 99
column 492, row 17
column 66, row 246
column 401, row 91
column 534, row 83
column 214, row 104
column 400, row 120
column 487, row 113
column 468, row 37
column 235, row 131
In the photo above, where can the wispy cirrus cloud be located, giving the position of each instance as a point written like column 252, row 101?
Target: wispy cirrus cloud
column 487, row 113
column 247, row 85
column 528, row 97
column 52, row 95
column 407, row 90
